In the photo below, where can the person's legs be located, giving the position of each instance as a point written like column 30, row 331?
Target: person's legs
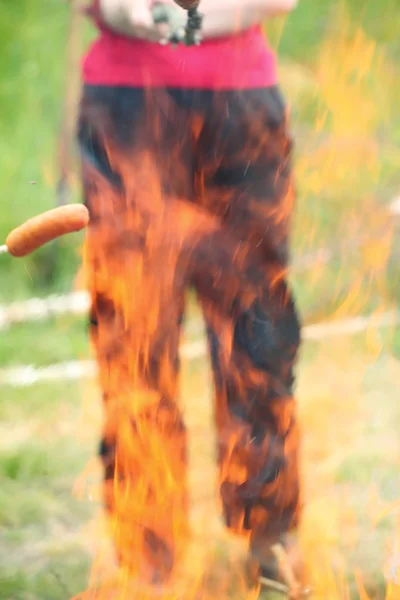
column 145, row 242
column 253, row 328
column 134, row 278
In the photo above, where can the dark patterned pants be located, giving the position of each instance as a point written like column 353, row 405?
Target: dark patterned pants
column 191, row 189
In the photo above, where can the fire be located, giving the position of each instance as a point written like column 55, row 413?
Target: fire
column 333, row 411
column 168, row 552
column 133, row 282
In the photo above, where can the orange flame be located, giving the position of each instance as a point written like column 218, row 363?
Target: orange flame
column 150, row 521
column 146, row 493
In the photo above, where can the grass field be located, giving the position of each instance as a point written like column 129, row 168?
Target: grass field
column 340, row 73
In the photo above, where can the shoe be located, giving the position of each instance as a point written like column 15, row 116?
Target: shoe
column 281, row 568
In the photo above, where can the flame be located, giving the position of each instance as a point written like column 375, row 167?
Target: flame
column 135, row 259
column 350, row 273
column 168, row 550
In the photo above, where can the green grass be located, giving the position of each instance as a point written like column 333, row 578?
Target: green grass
column 350, row 445
column 33, row 38
column 347, row 173
column 45, row 342
column 41, row 554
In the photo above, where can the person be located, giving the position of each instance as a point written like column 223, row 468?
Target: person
column 186, row 168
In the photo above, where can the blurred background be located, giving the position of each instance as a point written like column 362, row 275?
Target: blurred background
column 339, row 68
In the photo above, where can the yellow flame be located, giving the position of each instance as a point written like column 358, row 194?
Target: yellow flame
column 342, row 146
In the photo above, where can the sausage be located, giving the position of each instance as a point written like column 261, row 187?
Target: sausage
column 46, row 227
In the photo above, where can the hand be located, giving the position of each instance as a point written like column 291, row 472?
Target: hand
column 173, row 18
column 142, row 23
column 132, row 18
